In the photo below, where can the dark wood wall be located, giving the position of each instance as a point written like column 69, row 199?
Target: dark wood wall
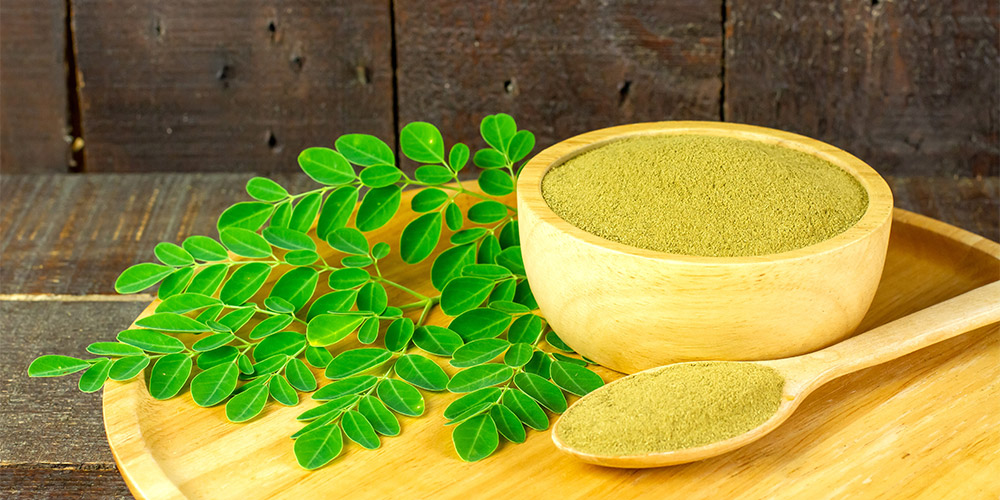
column 912, row 87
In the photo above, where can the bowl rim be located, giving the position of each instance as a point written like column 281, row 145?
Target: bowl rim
column 877, row 215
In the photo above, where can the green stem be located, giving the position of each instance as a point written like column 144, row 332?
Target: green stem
column 401, row 287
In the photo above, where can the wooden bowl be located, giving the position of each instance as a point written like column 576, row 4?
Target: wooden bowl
column 631, row 309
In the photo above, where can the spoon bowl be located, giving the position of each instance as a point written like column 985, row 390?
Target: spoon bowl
column 803, row 374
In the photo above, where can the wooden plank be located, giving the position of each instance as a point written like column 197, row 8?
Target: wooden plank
column 228, row 86
column 969, row 203
column 48, row 420
column 33, row 107
column 560, row 68
column 71, row 483
column 73, row 234
column 911, row 87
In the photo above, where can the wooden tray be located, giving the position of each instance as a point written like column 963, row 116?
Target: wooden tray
column 925, row 425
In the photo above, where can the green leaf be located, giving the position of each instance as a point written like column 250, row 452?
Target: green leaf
column 168, row 375
column 380, row 176
column 511, row 259
column 186, row 302
column 428, row 199
column 318, row 447
column 213, row 341
column 373, row 297
column 382, row 420
column 509, row 307
column 341, row 301
column 480, row 376
column 557, row 342
column 248, row 215
column 488, row 250
column 210, row 315
column 539, row 364
column 175, row 283
column 205, row 248
column 288, row 239
column 478, row 352
column 574, row 378
column 282, row 391
column 478, row 399
column 128, row 367
column 172, row 255
column 419, row 237
column 270, row 326
column 337, row 210
column 151, row 341
column 296, row 286
column 422, row 142
column 264, row 189
column 211, row 386
column 52, row 365
column 433, row 174
column 526, row 409
column 305, row 211
column 348, row 240
column 381, row 250
column 245, row 243
column 401, row 397
column 318, row 357
column 207, row 281
column 301, row 257
column 281, row 343
column 524, row 296
column 496, row 182
column 508, row 424
column 541, row 390
column 458, row 157
column 378, row 207
column 266, row 367
column 476, row 438
column 326, row 166
column 520, row 145
column 453, row 217
column 247, row 404
column 486, row 212
column 359, row 430
column 350, row 385
column 437, row 340
column 509, row 235
column 421, row 372
column 368, row 331
column 469, row 235
column 489, row 158
column 497, row 130
column 217, row 356
column 244, row 283
column 278, row 305
column 115, row 349
column 334, row 406
column 365, row 150
column 357, row 261
column 568, row 359
column 518, row 355
column 171, row 322
column 398, row 335
column 94, row 378
column 356, row 361
column 491, row 271
column 282, row 214
column 325, row 420
column 141, row 276
column 464, row 293
column 236, row 319
column 480, row 324
column 299, row 375
column 449, row 264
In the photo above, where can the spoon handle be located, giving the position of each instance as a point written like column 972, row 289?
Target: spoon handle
column 964, row 313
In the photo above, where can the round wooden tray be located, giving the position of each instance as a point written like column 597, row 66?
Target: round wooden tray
column 926, row 425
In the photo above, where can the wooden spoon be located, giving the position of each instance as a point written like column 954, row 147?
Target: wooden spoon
column 803, row 374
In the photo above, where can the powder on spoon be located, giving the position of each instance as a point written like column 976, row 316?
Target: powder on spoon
column 679, row 406
column 705, row 195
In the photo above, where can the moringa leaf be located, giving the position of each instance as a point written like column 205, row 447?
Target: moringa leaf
column 398, row 335
column 469, row 235
column 151, row 341
column 480, row 324
column 356, row 361
column 358, row 429
column 318, row 447
column 348, row 240
column 264, row 189
column 489, row 158
column 380, row 176
column 486, row 212
column 480, row 398
column 247, row 404
column 422, row 142
column 213, row 342
column 326, row 166
column 349, row 385
column 453, row 217
column 245, row 243
column 488, row 250
column 288, row 239
column 278, row 305
column 169, row 374
column 299, row 375
column 186, row 302
column 171, row 322
column 541, row 390
column 217, row 356
column 357, row 261
column 215, row 384
column 478, row 352
column 301, row 257
column 540, row 364
column 175, row 283
column 365, row 150
column 333, row 302
column 207, row 281
column 421, row 372
column 270, row 326
column 368, row 331
column 296, row 286
column 498, row 130
column 281, row 343
column 428, row 199
column 508, row 424
column 526, row 409
column 172, row 255
column 282, row 391
column 248, row 215
column 378, row 207
column 480, row 376
column 141, row 276
column 244, row 283
column 476, row 438
column 401, row 397
column 520, row 145
column 318, row 357
column 382, row 420
column 116, row 349
column 128, row 367
column 94, row 378
column 205, row 248
column 496, row 183
column 557, row 342
column 458, row 157
column 235, row 320
column 433, row 174
column 464, row 293
column 337, row 210
column 372, row 297
column 574, row 378
column 449, row 264
column 53, row 365
column 518, row 355
column 305, row 211
column 437, row 340
column 419, row 237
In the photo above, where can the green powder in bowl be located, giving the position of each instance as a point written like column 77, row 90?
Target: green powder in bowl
column 704, row 195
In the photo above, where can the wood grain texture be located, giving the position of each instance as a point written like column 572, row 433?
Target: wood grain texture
column 897, row 430
column 911, row 87
column 672, row 308
column 560, row 68
column 33, row 88
column 228, row 86
column 62, row 482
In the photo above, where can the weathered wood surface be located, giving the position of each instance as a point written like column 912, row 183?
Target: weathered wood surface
column 560, row 68
column 228, row 86
column 62, row 482
column 33, row 88
column 911, row 87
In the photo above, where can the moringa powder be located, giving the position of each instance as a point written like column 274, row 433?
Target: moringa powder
column 679, row 406
column 704, row 195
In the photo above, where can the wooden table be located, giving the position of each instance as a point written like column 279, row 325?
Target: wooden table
column 65, row 238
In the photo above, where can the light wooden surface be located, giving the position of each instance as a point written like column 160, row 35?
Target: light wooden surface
column 672, row 308
column 926, row 425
